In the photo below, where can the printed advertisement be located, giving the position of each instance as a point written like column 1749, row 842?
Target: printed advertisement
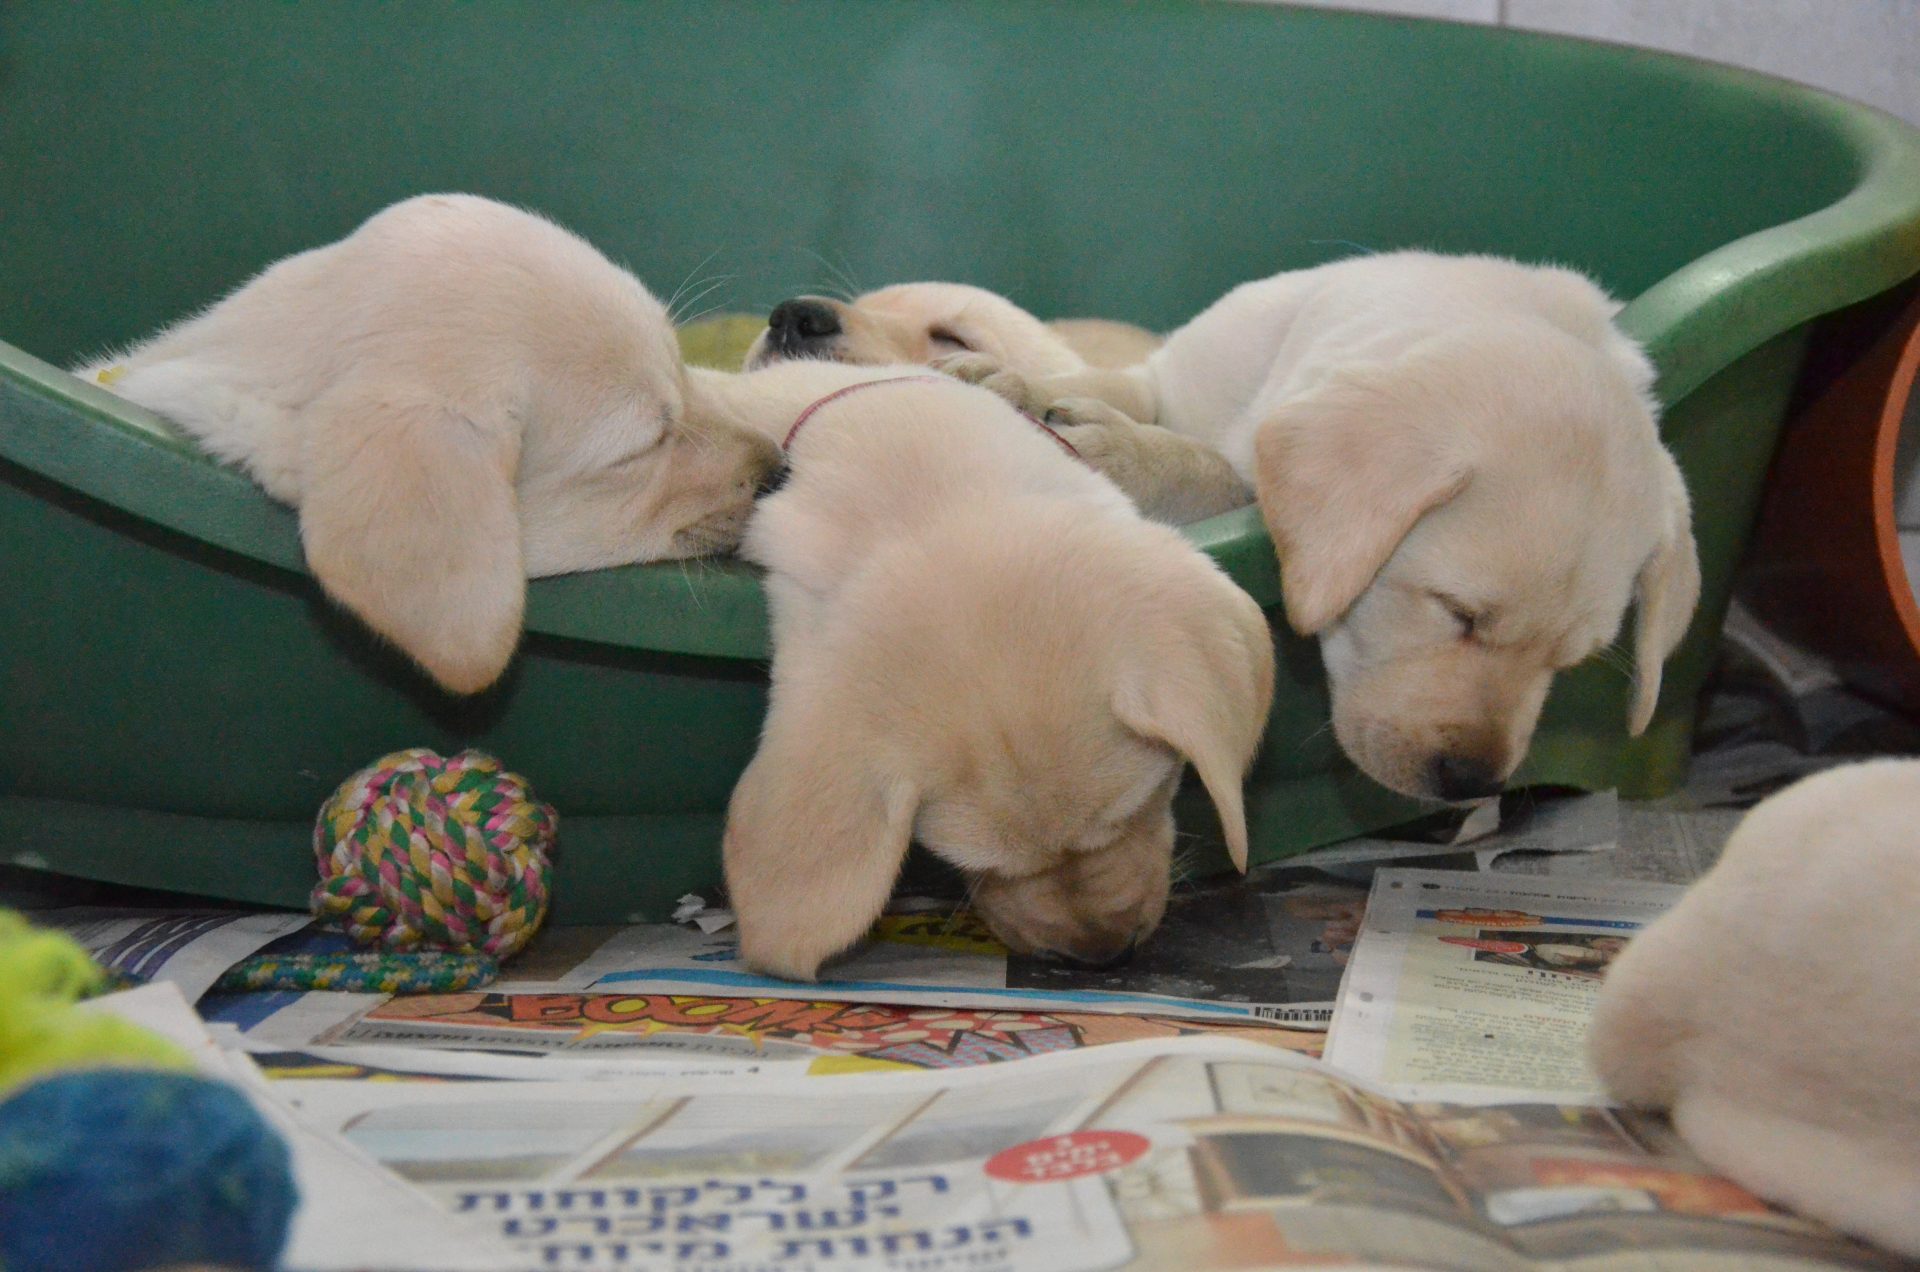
column 1269, row 949
column 823, row 1037
column 1473, row 986
column 1191, row 1153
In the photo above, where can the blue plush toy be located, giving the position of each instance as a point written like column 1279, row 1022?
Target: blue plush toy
column 109, row 1169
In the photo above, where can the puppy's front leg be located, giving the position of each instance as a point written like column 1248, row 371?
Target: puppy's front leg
column 1172, row 478
column 986, row 371
column 1128, row 392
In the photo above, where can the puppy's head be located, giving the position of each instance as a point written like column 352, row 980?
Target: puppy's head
column 1021, row 699
column 912, row 322
column 1460, row 524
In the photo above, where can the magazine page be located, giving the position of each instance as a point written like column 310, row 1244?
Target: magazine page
column 983, row 1168
column 1192, row 1153
column 816, row 1036
column 1269, row 948
column 1572, row 1186
column 1480, row 986
column 188, row 948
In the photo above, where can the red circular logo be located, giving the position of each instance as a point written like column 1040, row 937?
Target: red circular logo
column 1043, row 1161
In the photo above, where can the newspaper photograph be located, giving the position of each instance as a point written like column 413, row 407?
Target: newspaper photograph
column 1478, row 986
column 1269, row 948
column 188, row 948
column 820, row 1037
column 1193, row 1153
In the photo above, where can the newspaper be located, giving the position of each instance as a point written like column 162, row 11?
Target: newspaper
column 818, row 1036
column 351, row 1213
column 1191, row 1153
column 1465, row 986
column 1521, row 821
column 425, row 1064
column 188, row 948
column 1266, row 949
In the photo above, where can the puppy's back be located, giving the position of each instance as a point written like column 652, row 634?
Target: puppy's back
column 883, row 462
column 1774, row 1008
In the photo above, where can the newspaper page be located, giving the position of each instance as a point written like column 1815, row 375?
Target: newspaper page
column 352, row 1214
column 188, row 948
column 1269, row 948
column 1478, row 986
column 808, row 1034
column 1192, row 1153
column 400, row 1064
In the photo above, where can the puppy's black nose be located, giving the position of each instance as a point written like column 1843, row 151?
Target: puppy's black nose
column 1097, row 964
column 798, row 323
column 1464, row 777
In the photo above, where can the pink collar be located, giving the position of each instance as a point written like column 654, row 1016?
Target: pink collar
column 807, row 414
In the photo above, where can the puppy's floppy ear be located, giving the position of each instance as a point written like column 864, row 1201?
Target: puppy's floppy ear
column 1201, row 682
column 1664, row 596
column 1342, row 475
column 409, row 519
column 817, row 830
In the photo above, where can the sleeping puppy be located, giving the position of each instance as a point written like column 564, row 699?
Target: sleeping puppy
column 978, row 644
column 457, row 397
column 1458, row 462
column 990, row 341
column 1774, row 1009
column 919, row 322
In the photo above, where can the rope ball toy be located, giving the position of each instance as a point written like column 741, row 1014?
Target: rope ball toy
column 425, row 852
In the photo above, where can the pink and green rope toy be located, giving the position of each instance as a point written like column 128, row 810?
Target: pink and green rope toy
column 426, row 852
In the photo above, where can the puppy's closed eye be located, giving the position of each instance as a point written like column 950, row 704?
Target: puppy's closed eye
column 944, row 340
column 1465, row 618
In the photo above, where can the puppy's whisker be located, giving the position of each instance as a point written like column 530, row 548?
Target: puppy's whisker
column 691, row 275
column 839, row 279
column 964, row 906
column 1360, row 248
column 699, row 314
column 1617, row 661
column 852, row 279
column 707, row 288
column 688, row 567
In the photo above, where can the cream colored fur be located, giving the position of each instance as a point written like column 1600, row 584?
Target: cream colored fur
column 979, row 644
column 1774, row 1010
column 456, row 397
column 1458, row 462
column 956, row 327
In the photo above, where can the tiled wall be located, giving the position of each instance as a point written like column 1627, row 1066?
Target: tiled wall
column 1865, row 49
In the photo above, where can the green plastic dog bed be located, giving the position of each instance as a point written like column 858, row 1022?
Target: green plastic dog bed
column 176, row 698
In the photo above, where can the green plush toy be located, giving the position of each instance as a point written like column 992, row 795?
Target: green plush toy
column 42, row 975
column 720, row 342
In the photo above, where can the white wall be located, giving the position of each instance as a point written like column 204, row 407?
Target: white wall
column 1868, row 50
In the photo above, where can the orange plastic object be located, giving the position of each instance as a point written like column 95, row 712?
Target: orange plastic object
column 1825, row 568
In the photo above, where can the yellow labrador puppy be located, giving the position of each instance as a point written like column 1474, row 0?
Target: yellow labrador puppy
column 1774, row 1009
column 990, row 341
column 459, row 396
column 979, row 644
column 1456, row 457
column 918, row 322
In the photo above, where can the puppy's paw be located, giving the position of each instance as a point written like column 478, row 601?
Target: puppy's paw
column 1083, row 412
column 1106, row 450
column 969, row 366
column 986, row 371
